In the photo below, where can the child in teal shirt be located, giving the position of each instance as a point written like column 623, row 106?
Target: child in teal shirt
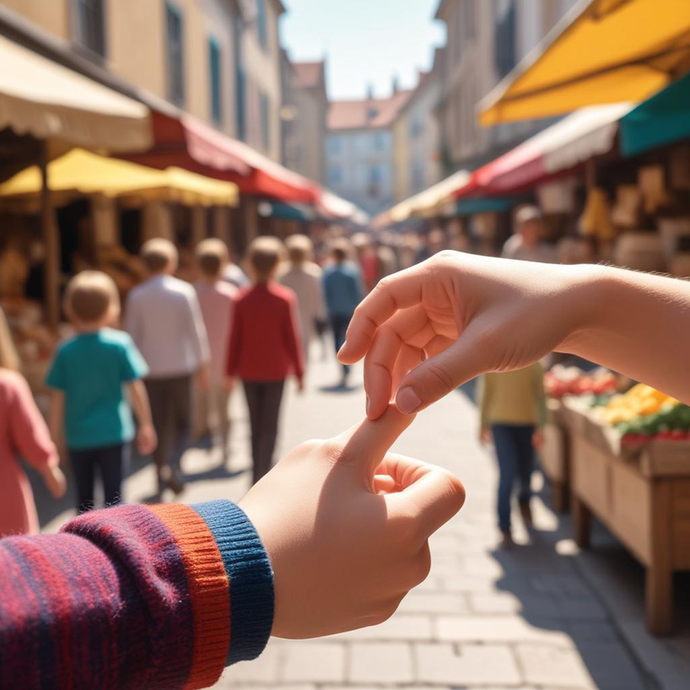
column 90, row 375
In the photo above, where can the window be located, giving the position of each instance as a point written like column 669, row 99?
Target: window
column 416, row 126
column 334, row 145
column 90, row 25
column 335, row 175
column 374, row 182
column 215, row 77
column 505, row 51
column 262, row 23
column 240, row 82
column 379, row 141
column 265, row 108
column 175, row 54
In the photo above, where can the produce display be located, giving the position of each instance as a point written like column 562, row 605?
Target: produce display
column 561, row 380
column 644, row 413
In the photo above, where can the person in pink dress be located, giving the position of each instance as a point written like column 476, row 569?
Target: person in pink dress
column 23, row 433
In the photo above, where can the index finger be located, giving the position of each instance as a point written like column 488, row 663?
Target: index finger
column 398, row 291
column 367, row 443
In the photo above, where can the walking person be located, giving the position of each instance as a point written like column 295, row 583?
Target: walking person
column 164, row 319
column 217, row 301
column 23, row 433
column 265, row 348
column 527, row 242
column 342, row 289
column 303, row 277
column 513, row 412
column 89, row 376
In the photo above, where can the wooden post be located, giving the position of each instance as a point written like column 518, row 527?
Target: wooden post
column 199, row 230
column 49, row 230
column 582, row 521
column 251, row 218
column 659, row 580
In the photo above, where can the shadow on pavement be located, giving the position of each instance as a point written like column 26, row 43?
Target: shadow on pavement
column 340, row 388
column 546, row 578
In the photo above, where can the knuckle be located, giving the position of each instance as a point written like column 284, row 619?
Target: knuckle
column 446, row 256
column 443, row 381
column 421, row 567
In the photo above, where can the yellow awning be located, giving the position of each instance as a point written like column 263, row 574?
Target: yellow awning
column 606, row 51
column 83, row 172
column 48, row 101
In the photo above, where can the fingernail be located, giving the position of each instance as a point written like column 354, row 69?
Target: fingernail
column 407, row 400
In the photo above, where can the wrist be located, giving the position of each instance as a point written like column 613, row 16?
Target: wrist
column 586, row 300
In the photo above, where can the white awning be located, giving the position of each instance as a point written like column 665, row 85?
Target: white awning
column 48, row 101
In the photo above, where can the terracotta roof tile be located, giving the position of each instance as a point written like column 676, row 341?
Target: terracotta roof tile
column 366, row 113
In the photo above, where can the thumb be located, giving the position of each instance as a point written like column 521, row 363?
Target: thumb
column 367, row 443
column 439, row 375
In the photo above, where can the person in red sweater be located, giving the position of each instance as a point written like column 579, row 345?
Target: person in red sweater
column 265, row 348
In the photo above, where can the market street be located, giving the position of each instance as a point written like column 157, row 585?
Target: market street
column 485, row 618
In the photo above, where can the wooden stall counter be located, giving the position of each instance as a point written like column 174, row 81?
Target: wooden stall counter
column 643, row 496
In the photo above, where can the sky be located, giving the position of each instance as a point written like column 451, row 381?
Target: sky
column 365, row 41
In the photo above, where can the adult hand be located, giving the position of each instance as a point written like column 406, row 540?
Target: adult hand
column 484, row 436
column 346, row 525
column 538, row 438
column 428, row 329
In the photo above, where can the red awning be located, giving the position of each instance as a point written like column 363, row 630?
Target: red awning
column 187, row 143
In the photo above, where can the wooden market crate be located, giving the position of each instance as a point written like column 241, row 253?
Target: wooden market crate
column 644, row 500
column 555, row 456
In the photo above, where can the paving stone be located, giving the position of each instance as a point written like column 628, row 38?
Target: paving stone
column 612, row 668
column 465, row 665
column 434, row 602
column 263, row 671
column 553, row 666
column 400, row 626
column 498, row 629
column 380, row 662
column 316, row 662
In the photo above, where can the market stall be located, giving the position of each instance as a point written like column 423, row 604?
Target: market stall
column 629, row 468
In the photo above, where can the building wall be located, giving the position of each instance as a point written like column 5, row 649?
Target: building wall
column 401, row 158
column 472, row 71
column 136, row 50
column 364, row 161
column 309, row 128
column 50, row 15
column 423, row 134
column 262, row 67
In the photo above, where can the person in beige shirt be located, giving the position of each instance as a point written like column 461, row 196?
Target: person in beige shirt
column 303, row 277
column 513, row 411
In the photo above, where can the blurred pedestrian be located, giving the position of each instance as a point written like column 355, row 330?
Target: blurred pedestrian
column 343, row 292
column 527, row 242
column 234, row 275
column 513, row 412
column 164, row 319
column 368, row 263
column 23, row 433
column 433, row 243
column 89, row 376
column 216, row 299
column 303, row 277
column 265, row 348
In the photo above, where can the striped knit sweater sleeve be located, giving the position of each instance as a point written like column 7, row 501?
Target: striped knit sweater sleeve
column 162, row 596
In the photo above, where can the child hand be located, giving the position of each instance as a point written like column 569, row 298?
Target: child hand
column 147, row 440
column 55, row 481
column 343, row 556
column 485, row 436
column 538, row 438
column 300, row 385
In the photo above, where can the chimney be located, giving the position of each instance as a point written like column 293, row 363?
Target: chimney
column 395, row 86
column 370, row 91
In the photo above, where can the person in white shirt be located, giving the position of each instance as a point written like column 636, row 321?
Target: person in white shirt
column 303, row 277
column 527, row 242
column 164, row 319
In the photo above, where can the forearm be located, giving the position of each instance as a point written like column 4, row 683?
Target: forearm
column 143, row 595
column 140, row 403
column 636, row 324
column 55, row 416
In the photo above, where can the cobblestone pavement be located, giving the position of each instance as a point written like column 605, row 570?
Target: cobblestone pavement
column 484, row 618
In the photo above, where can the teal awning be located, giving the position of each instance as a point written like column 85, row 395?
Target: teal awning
column 468, row 207
column 285, row 211
column 662, row 119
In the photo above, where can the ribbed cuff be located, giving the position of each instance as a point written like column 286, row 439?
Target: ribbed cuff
column 208, row 589
column 252, row 597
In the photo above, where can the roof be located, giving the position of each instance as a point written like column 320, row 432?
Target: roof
column 367, row 113
column 309, row 74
